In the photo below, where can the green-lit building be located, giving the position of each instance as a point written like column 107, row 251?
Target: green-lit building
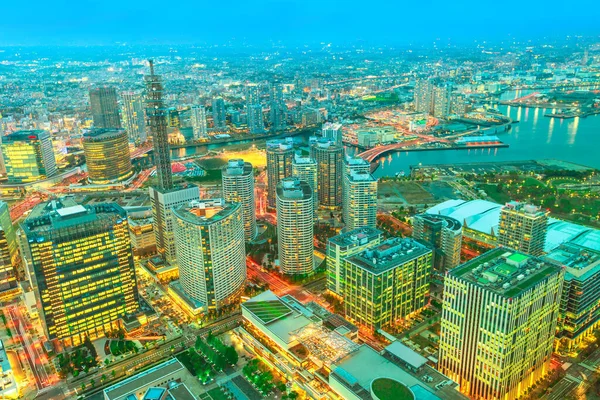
column 580, row 302
column 498, row 323
column 8, row 253
column 346, row 245
column 387, row 282
column 81, row 266
column 28, row 156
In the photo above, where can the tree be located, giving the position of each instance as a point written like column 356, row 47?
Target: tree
column 82, row 386
column 231, row 355
column 93, row 383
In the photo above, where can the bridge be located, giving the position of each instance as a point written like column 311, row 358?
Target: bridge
column 372, row 154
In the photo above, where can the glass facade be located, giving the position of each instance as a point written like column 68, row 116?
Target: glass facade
column 28, row 156
column 107, row 155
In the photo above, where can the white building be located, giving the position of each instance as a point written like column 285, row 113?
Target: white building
column 360, row 200
column 132, row 114
column 198, row 120
column 305, row 169
column 238, row 187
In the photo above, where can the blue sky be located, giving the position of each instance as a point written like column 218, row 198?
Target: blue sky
column 291, row 21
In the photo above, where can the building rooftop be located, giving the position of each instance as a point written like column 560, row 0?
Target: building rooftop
column 389, row 254
column 293, row 189
column 355, row 160
column 303, row 159
column 237, row 167
column 25, row 135
column 356, row 237
column 580, row 262
column 325, row 143
column 444, row 220
column 524, row 208
column 406, row 354
column 101, row 134
column 505, row 272
column 361, row 176
column 478, row 215
column 280, row 145
column 205, row 212
column 145, row 378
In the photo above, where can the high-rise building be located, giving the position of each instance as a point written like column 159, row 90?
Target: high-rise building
column 523, row 227
column 133, row 116
column 211, row 252
column 458, row 104
column 332, row 132
column 343, row 246
column 165, row 195
column 157, row 123
column 218, row 114
column 256, row 123
column 81, row 266
column 107, row 155
column 444, row 235
column 386, row 283
column 330, row 161
column 280, row 156
column 9, row 253
column 498, row 323
column 442, row 100
column 105, row 108
column 198, row 119
column 357, row 164
column 28, row 156
column 305, row 169
column 238, row 187
column 360, row 200
column 579, row 312
column 278, row 109
column 423, row 96
column 295, row 226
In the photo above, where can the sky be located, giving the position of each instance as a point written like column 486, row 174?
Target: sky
column 294, row 22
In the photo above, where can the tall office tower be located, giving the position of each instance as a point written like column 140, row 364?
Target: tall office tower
column 165, row 195
column 360, row 200
column 107, row 155
column 343, row 246
column 252, row 94
column 28, row 156
column 579, row 312
column 386, row 282
column 198, row 119
column 444, row 235
column 238, row 187
column 218, row 113
column 332, row 132
column 278, row 109
column 442, row 100
column 305, row 169
column 295, row 226
column 211, row 252
column 423, row 96
column 498, row 323
column 357, row 164
column 458, row 104
column 133, row 116
column 82, row 269
column 256, row 123
column 9, row 253
column 105, row 108
column 330, row 159
column 157, row 122
column 280, row 156
column 523, row 227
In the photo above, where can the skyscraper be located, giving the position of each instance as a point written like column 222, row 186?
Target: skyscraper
column 218, row 113
column 330, row 161
column 444, row 235
column 498, row 323
column 305, row 169
column 8, row 253
column 105, row 108
column 423, row 96
column 278, row 109
column 343, row 246
column 238, row 187
column 360, row 200
column 82, row 270
column 198, row 119
column 211, row 252
column 295, row 226
column 332, row 132
column 107, row 155
column 157, row 122
column 357, row 164
column 256, row 123
column 386, row 282
column 133, row 116
column 165, row 195
column 523, row 227
column 280, row 155
column 28, row 156
column 442, row 100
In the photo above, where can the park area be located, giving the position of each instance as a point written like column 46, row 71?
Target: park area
column 402, row 192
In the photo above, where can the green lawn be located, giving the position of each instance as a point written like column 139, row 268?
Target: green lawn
column 216, row 394
column 491, row 189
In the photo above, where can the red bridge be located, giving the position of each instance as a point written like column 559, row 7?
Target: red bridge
column 372, row 154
